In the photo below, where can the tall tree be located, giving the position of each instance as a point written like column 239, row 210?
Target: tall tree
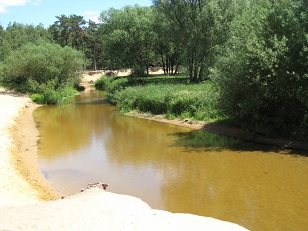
column 128, row 36
column 16, row 35
column 69, row 31
column 75, row 32
column 199, row 26
column 262, row 70
column 94, row 45
column 165, row 43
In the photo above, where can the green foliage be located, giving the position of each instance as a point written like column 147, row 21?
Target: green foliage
column 262, row 70
column 37, row 98
column 128, row 36
column 138, row 71
column 42, row 63
column 49, row 93
column 255, row 52
column 115, row 86
column 45, row 69
column 16, row 35
column 166, row 43
column 197, row 27
column 75, row 32
column 195, row 101
column 103, row 82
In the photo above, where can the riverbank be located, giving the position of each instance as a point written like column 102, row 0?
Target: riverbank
column 96, row 209
column 21, row 180
column 223, row 129
column 23, row 188
column 213, row 127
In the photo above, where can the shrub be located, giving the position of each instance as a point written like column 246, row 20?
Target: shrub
column 37, row 98
column 45, row 69
column 138, row 71
column 103, row 82
column 42, row 63
column 196, row 101
column 46, row 93
column 115, row 86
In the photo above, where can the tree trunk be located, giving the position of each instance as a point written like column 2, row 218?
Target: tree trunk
column 191, row 67
column 94, row 57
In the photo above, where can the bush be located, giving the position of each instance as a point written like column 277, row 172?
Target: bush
column 138, row 71
column 196, row 101
column 46, row 93
column 103, row 82
column 116, row 85
column 45, row 69
column 42, row 63
column 37, row 98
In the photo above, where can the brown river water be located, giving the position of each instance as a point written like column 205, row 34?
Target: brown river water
column 172, row 168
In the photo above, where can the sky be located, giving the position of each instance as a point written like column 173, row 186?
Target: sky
column 34, row 12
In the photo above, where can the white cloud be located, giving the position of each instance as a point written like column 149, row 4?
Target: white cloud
column 36, row 2
column 2, row 9
column 91, row 15
column 5, row 4
column 95, row 19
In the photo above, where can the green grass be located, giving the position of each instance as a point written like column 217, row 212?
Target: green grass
column 196, row 101
column 46, row 94
column 169, row 95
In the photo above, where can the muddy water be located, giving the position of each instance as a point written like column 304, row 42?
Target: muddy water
column 170, row 167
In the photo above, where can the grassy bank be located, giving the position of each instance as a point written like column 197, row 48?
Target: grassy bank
column 44, row 93
column 171, row 96
column 174, row 97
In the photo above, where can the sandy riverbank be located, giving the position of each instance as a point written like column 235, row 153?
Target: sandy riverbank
column 21, row 180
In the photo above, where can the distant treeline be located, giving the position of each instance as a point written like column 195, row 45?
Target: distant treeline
column 254, row 52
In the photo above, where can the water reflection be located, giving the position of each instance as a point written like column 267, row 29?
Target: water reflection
column 203, row 140
column 171, row 167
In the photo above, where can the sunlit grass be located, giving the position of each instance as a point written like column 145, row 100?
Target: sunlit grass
column 196, row 101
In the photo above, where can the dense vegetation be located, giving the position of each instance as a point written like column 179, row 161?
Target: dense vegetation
column 32, row 62
column 244, row 60
column 163, row 95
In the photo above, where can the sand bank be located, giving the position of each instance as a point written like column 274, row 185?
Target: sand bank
column 21, row 181
column 96, row 209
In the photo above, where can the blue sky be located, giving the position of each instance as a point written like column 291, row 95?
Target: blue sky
column 34, row 12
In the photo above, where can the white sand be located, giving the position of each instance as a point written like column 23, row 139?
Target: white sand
column 94, row 209
column 14, row 190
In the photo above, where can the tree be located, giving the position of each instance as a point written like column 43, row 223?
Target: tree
column 128, row 36
column 199, row 26
column 42, row 63
column 165, row 43
column 17, row 35
column 262, row 70
column 3, row 44
column 93, row 45
column 60, row 30
column 75, row 32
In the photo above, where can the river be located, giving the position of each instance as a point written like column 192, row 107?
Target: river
column 170, row 167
